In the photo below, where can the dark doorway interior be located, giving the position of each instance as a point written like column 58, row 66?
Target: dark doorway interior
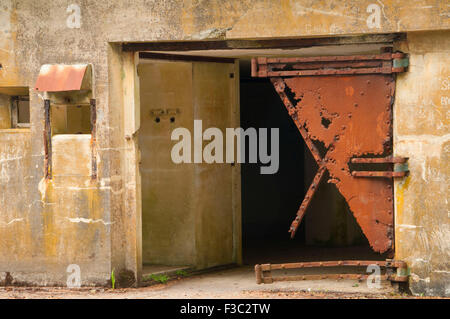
column 270, row 202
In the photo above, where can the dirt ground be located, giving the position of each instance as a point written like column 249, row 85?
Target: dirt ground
column 232, row 283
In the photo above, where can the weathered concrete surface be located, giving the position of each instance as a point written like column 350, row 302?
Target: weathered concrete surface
column 76, row 230
column 17, row 241
column 291, row 18
column 34, row 33
column 5, row 115
column 232, row 283
column 421, row 132
column 9, row 74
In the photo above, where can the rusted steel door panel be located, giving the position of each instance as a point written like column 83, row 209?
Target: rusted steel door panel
column 351, row 117
column 342, row 106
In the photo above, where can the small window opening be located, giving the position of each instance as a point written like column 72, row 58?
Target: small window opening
column 64, row 118
column 14, row 107
column 70, row 118
column 20, row 111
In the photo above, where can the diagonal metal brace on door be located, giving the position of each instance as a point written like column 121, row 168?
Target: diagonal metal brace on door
column 280, row 88
column 345, row 103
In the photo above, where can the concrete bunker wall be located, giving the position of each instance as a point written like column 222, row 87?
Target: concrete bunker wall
column 421, row 132
column 32, row 34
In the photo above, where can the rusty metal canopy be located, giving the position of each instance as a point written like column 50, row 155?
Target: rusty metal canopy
column 63, row 77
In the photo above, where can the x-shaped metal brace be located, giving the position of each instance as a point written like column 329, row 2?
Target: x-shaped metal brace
column 279, row 86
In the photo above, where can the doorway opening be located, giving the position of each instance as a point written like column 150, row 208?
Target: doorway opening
column 180, row 230
column 269, row 202
column 188, row 204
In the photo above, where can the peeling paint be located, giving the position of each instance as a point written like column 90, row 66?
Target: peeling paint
column 42, row 188
column 409, row 226
column 15, row 220
column 87, row 220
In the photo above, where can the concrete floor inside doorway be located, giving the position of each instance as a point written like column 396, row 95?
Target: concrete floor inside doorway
column 236, row 282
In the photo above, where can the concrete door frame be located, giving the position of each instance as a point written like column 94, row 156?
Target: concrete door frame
column 124, row 86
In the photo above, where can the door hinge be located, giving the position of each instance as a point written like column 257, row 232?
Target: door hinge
column 400, row 168
column 384, row 63
column 400, row 63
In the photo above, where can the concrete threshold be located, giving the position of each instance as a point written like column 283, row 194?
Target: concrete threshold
column 157, row 274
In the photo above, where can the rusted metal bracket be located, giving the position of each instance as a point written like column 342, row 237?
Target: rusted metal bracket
column 386, row 174
column 395, row 270
column 93, row 105
column 379, row 160
column 384, row 63
column 47, row 140
column 401, row 172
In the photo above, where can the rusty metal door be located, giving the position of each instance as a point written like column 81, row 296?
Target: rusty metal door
column 342, row 106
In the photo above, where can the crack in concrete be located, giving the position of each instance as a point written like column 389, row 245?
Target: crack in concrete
column 11, row 221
